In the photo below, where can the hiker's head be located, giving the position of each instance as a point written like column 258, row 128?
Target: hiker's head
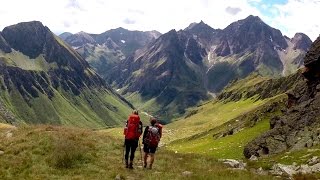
column 135, row 112
column 153, row 121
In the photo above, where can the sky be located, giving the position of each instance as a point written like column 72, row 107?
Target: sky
column 97, row 16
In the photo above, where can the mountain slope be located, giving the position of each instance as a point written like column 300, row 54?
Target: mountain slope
column 298, row 126
column 165, row 77
column 43, row 80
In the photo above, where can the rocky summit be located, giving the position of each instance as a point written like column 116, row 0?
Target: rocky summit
column 299, row 126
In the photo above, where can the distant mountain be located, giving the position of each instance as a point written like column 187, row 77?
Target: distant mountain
column 43, row 80
column 180, row 69
column 64, row 35
column 167, row 74
column 103, row 51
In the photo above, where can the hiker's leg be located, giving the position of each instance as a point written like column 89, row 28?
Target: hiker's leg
column 151, row 159
column 134, row 145
column 152, row 152
column 126, row 157
column 145, row 159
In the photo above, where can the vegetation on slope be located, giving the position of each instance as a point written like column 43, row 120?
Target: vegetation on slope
column 92, row 108
column 50, row 152
column 243, row 111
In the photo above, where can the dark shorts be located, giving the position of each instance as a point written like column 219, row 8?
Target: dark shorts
column 133, row 143
column 148, row 149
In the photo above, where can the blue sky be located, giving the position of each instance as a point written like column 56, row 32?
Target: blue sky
column 266, row 7
column 97, row 16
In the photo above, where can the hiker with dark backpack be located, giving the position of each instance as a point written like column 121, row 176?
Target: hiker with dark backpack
column 151, row 138
column 132, row 132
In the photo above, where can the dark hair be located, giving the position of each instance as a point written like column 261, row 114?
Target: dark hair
column 135, row 112
column 153, row 121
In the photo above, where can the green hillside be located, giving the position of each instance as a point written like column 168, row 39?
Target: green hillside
column 44, row 81
column 50, row 152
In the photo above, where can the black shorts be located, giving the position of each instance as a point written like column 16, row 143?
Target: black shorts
column 148, row 149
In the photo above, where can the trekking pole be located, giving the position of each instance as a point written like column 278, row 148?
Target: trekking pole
column 123, row 151
column 140, row 151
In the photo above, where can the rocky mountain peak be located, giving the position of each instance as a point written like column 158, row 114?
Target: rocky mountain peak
column 79, row 39
column 27, row 37
column 249, row 33
column 301, row 41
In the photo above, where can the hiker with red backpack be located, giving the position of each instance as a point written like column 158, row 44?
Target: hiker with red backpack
column 132, row 132
column 151, row 138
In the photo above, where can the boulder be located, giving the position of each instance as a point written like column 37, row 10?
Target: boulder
column 234, row 163
column 286, row 170
column 187, row 173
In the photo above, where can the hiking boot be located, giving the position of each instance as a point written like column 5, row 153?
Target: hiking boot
column 145, row 165
column 131, row 165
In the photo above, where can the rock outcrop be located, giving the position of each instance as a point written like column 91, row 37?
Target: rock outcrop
column 300, row 125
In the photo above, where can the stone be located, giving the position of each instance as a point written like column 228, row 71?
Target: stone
column 315, row 168
column 118, row 177
column 9, row 135
column 280, row 169
column 234, row 163
column 253, row 158
column 314, row 160
column 1, row 153
column 187, row 173
column 309, row 143
column 305, row 169
column 260, row 171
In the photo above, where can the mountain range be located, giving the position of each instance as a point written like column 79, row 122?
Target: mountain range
column 44, row 80
column 168, row 73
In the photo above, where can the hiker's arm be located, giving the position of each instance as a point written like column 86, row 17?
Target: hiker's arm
column 125, row 128
column 160, row 129
column 145, row 134
column 140, row 128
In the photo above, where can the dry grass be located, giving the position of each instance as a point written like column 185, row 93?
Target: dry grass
column 49, row 152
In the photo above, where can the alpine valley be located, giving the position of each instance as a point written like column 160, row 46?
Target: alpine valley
column 236, row 103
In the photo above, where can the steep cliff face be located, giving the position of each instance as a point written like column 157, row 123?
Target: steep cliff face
column 299, row 127
column 43, row 80
column 4, row 45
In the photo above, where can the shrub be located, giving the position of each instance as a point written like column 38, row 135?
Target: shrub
column 67, row 152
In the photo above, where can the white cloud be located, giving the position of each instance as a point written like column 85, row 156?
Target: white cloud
column 298, row 16
column 96, row 16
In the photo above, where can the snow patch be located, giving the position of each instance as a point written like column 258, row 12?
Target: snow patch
column 123, row 41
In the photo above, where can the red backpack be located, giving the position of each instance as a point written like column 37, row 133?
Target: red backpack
column 132, row 131
column 153, row 136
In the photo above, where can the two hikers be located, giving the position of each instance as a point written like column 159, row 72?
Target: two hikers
column 151, row 138
column 132, row 132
